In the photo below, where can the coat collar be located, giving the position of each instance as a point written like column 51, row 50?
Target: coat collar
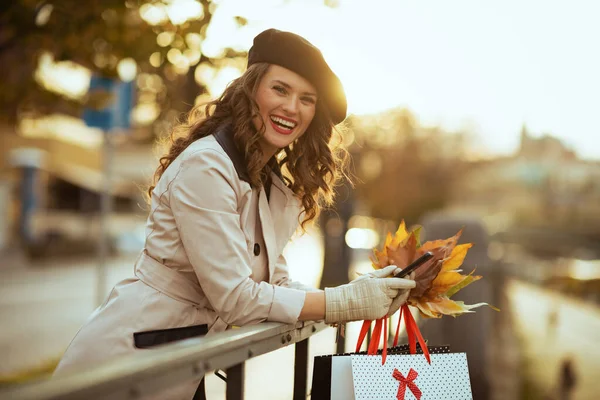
column 224, row 136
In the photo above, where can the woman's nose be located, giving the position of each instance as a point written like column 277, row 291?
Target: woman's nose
column 291, row 104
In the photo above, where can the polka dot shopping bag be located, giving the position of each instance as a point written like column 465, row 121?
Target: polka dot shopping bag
column 403, row 376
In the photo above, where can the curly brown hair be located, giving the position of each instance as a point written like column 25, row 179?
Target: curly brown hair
column 311, row 166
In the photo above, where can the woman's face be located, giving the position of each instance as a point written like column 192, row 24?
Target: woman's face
column 287, row 103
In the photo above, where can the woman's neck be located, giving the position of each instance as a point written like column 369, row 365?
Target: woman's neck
column 268, row 150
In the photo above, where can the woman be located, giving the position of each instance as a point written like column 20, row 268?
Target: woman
column 222, row 212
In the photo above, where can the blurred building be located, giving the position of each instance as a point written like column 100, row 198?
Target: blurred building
column 51, row 186
column 544, row 185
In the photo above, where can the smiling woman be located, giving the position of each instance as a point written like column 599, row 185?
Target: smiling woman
column 222, row 212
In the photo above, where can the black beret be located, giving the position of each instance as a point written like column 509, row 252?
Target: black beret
column 297, row 54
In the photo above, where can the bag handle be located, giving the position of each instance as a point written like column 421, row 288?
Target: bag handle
column 412, row 331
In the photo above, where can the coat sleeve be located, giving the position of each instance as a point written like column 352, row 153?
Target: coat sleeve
column 204, row 200
column 281, row 277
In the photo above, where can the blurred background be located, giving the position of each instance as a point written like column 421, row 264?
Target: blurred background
column 462, row 114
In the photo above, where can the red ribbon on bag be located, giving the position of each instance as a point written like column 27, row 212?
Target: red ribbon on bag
column 408, row 381
column 412, row 331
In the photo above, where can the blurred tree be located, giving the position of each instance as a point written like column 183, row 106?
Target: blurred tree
column 161, row 39
column 404, row 169
column 401, row 170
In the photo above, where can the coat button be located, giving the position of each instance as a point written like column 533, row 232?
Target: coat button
column 256, row 249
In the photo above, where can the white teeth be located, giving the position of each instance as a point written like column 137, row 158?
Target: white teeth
column 281, row 121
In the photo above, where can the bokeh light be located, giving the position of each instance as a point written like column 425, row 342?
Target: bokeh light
column 154, row 14
column 361, row 238
column 127, row 69
column 43, row 15
column 165, row 38
column 156, row 59
column 180, row 11
column 64, row 77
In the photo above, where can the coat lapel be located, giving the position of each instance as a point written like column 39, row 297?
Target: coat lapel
column 285, row 209
column 268, row 231
column 279, row 214
column 279, row 219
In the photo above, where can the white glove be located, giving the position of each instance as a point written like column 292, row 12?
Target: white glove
column 384, row 273
column 379, row 273
column 402, row 296
column 365, row 298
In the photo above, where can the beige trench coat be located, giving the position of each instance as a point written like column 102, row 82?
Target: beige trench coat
column 213, row 255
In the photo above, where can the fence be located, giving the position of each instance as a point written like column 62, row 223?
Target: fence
column 167, row 366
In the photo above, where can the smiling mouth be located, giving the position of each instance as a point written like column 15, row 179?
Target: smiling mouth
column 282, row 126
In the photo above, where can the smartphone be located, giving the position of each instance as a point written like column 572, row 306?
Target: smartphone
column 414, row 265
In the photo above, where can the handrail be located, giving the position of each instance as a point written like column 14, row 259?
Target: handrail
column 149, row 372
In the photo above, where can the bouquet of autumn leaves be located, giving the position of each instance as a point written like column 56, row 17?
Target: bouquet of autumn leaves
column 436, row 281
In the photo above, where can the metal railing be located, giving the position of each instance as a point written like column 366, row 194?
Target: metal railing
column 167, row 366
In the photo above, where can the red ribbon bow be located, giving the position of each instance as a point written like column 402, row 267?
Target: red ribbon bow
column 408, row 381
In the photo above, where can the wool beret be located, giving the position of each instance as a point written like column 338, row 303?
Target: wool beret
column 297, row 54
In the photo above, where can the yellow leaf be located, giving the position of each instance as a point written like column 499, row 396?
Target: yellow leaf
column 426, row 311
column 469, row 307
column 446, row 306
column 417, row 233
column 463, row 283
column 445, row 280
column 381, row 259
column 402, row 229
column 400, row 236
column 388, row 240
column 456, row 257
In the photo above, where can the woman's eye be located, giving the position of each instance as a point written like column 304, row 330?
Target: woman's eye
column 279, row 89
column 309, row 100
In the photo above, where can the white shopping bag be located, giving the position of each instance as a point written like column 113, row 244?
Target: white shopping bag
column 362, row 377
column 446, row 378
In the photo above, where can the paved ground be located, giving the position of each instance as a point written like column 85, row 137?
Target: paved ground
column 553, row 329
column 43, row 305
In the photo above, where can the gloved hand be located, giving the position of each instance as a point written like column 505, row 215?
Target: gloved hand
column 402, row 297
column 366, row 298
column 384, row 273
column 379, row 273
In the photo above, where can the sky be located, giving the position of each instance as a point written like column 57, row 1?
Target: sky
column 487, row 66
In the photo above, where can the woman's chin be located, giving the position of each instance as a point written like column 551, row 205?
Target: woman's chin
column 278, row 141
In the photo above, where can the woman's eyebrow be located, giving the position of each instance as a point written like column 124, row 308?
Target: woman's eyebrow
column 287, row 86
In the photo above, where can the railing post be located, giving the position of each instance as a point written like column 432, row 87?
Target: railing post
column 300, row 370
column 340, row 346
column 235, row 382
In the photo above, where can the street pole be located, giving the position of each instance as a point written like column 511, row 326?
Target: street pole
column 110, row 118
column 105, row 213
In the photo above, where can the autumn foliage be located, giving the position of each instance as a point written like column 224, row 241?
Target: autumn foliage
column 438, row 279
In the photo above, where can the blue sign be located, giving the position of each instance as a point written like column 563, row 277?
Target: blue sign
column 117, row 113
